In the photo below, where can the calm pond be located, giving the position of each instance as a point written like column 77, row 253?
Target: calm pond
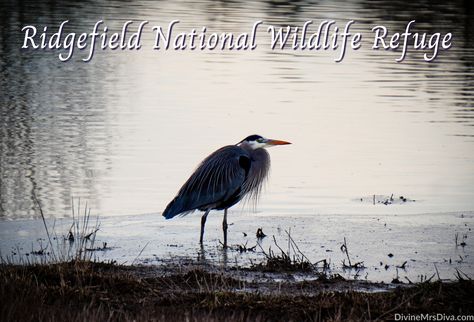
column 126, row 129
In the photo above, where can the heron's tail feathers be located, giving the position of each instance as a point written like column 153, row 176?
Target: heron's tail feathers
column 172, row 209
column 175, row 207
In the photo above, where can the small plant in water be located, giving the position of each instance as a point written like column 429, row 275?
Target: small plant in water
column 78, row 244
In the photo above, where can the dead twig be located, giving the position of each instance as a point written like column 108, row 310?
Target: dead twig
column 344, row 249
column 140, row 252
column 44, row 223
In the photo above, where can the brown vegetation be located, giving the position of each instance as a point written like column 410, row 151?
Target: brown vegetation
column 87, row 291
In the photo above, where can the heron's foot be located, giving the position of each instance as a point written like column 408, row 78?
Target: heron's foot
column 202, row 254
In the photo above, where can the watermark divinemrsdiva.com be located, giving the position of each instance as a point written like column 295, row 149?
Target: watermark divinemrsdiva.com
column 432, row 317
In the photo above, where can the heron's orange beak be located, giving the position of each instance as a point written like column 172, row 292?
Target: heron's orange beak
column 276, row 142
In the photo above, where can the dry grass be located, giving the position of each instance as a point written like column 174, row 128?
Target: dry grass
column 291, row 260
column 88, row 291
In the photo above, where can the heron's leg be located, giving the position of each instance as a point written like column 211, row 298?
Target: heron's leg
column 224, row 227
column 203, row 223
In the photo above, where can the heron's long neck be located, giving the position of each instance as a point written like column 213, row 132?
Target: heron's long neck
column 257, row 155
column 260, row 156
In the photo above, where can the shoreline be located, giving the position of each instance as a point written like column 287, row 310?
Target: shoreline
column 78, row 291
column 400, row 246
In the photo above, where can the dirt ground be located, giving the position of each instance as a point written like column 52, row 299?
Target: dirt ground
column 88, row 291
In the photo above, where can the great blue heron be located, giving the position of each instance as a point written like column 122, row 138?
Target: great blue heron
column 223, row 179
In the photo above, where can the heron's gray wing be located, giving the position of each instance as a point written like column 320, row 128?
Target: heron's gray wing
column 216, row 179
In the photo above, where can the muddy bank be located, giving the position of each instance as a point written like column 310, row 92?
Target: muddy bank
column 80, row 291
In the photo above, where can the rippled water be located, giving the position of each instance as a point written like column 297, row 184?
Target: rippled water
column 124, row 131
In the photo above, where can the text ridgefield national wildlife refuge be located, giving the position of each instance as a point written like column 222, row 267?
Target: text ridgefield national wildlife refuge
column 326, row 35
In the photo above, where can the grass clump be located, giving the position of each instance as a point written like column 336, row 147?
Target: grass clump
column 78, row 243
column 291, row 260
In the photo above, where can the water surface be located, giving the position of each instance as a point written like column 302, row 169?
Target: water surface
column 124, row 131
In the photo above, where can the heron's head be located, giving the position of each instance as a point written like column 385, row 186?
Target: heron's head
column 257, row 142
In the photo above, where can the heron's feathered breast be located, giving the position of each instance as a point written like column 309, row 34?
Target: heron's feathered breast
column 258, row 172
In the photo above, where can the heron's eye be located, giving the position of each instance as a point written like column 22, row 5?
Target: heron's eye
column 260, row 140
